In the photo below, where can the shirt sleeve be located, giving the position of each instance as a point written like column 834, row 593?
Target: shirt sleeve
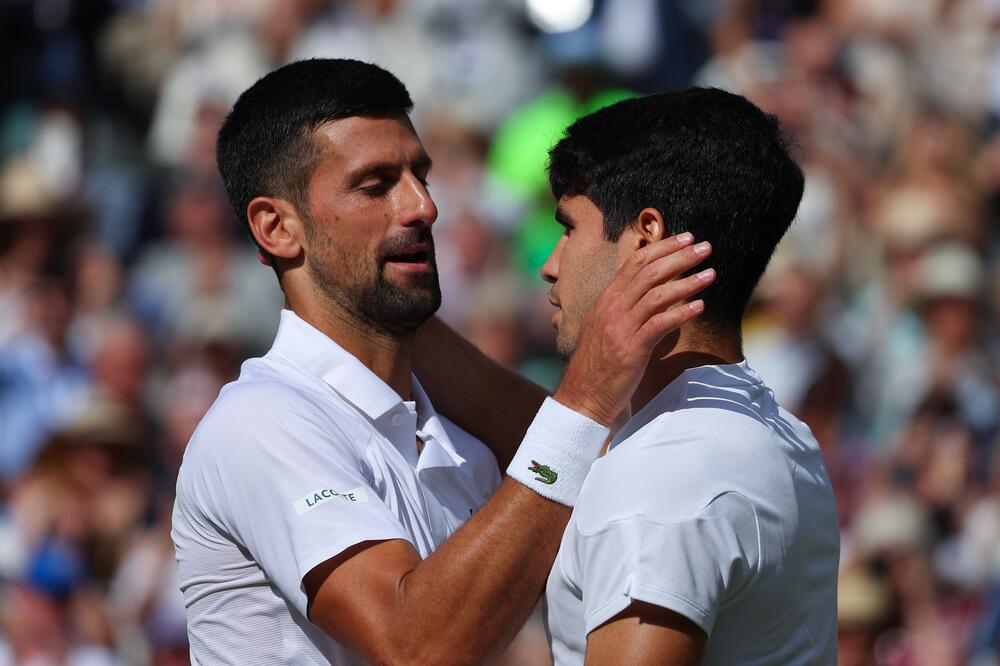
column 287, row 483
column 692, row 566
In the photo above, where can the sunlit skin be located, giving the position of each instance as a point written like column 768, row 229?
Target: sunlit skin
column 584, row 262
column 371, row 185
column 580, row 266
column 363, row 245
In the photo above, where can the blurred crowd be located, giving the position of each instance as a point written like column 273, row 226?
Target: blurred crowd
column 129, row 296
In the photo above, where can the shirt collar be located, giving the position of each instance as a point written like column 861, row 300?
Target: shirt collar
column 438, row 449
column 315, row 353
column 737, row 380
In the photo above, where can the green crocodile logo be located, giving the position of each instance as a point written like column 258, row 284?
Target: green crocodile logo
column 545, row 473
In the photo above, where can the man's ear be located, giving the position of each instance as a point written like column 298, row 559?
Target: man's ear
column 276, row 226
column 649, row 227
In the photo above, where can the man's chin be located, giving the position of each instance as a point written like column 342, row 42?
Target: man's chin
column 398, row 306
column 565, row 345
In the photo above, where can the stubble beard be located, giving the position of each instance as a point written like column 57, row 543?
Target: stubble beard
column 373, row 301
column 566, row 340
column 575, row 310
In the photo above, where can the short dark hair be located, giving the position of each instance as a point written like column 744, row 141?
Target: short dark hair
column 710, row 161
column 265, row 145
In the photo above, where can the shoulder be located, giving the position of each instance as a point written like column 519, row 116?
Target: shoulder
column 707, row 425
column 678, row 464
column 266, row 415
column 271, row 392
column 736, row 443
column 261, row 434
column 253, row 407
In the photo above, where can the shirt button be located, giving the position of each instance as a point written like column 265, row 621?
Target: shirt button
column 397, row 420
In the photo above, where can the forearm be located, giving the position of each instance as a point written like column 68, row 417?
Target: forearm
column 497, row 563
column 466, row 601
column 478, row 394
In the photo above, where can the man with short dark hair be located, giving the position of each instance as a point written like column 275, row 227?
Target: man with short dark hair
column 325, row 512
column 708, row 532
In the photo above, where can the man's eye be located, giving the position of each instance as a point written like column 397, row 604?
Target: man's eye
column 377, row 189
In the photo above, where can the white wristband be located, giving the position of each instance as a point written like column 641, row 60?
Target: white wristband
column 557, row 452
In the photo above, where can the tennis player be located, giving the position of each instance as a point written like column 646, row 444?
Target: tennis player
column 708, row 533
column 325, row 512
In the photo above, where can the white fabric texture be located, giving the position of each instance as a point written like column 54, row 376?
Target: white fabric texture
column 305, row 455
column 565, row 442
column 712, row 502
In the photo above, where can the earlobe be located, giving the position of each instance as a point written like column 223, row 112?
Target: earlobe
column 276, row 226
column 650, row 227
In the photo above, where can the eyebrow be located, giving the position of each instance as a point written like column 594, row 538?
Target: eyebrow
column 563, row 219
column 423, row 161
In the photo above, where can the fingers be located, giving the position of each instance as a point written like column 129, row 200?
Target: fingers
column 646, row 255
column 663, row 270
column 657, row 327
column 661, row 297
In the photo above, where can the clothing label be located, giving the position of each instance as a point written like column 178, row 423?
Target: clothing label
column 324, row 495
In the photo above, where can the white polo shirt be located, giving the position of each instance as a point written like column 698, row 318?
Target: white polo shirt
column 303, row 456
column 715, row 503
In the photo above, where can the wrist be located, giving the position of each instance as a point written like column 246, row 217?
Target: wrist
column 584, row 403
column 557, row 451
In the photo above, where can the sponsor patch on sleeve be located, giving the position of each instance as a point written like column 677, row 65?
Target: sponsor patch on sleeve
column 319, row 497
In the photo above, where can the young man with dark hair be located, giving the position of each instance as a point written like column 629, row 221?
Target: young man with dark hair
column 325, row 512
column 708, row 532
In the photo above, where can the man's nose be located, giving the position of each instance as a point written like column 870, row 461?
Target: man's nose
column 418, row 207
column 550, row 269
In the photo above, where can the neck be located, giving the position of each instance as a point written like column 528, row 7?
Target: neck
column 676, row 353
column 390, row 357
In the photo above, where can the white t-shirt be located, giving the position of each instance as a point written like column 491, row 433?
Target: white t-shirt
column 712, row 502
column 303, row 456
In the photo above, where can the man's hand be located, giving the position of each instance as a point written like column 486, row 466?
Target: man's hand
column 643, row 303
